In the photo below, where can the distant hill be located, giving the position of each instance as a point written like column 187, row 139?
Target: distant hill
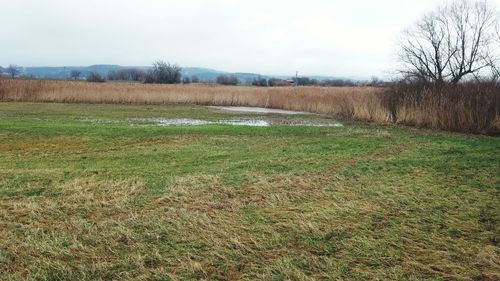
column 60, row 72
column 204, row 74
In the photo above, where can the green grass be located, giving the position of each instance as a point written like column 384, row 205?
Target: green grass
column 82, row 200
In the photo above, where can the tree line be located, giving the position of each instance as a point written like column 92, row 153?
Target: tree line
column 166, row 73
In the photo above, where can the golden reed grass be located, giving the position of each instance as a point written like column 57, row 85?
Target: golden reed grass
column 474, row 111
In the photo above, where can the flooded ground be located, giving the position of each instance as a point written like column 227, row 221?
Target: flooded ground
column 258, row 110
column 198, row 122
column 257, row 122
column 233, row 116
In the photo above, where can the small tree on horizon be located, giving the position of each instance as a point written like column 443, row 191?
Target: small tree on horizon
column 13, row 70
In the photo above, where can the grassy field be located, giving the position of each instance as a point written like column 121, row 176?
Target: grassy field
column 91, row 192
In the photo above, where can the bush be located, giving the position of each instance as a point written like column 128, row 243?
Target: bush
column 95, row 77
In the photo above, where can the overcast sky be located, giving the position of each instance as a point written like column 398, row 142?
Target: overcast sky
column 315, row 37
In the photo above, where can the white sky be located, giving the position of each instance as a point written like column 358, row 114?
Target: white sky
column 315, row 37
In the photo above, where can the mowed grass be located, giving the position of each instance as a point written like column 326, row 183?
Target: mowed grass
column 85, row 200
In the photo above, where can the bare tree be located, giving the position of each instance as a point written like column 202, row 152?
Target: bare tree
column 13, row 70
column 195, row 79
column 164, row 73
column 75, row 74
column 497, row 29
column 495, row 64
column 451, row 43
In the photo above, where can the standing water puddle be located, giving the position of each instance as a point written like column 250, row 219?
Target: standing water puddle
column 244, row 122
column 258, row 110
column 198, row 122
column 258, row 121
column 157, row 121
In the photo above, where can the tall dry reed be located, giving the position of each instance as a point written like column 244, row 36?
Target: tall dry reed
column 356, row 102
column 470, row 107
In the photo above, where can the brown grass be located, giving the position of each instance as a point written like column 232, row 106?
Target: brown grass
column 466, row 108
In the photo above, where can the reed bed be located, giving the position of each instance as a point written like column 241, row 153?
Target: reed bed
column 470, row 107
column 465, row 108
column 349, row 102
